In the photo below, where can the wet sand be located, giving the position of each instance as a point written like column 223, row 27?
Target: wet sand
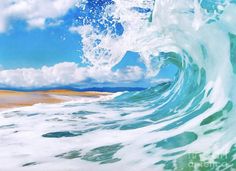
column 13, row 99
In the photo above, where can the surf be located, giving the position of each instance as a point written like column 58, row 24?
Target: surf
column 186, row 123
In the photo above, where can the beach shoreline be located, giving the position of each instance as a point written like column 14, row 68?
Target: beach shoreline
column 13, row 99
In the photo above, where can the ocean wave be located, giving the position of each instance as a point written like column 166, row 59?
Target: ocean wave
column 182, row 124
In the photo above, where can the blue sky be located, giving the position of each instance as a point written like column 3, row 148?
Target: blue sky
column 42, row 40
column 23, row 48
column 34, row 47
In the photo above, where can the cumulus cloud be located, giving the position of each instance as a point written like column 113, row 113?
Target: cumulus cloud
column 34, row 12
column 66, row 73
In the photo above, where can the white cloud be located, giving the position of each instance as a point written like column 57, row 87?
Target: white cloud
column 66, row 73
column 34, row 12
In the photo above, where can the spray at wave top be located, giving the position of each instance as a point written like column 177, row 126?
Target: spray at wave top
column 146, row 27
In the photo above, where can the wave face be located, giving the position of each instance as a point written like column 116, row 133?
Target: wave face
column 185, row 124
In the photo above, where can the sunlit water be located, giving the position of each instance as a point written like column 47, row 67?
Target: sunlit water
column 185, row 124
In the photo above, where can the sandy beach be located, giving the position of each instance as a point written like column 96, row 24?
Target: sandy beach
column 12, row 99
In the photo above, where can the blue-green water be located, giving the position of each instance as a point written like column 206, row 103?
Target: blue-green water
column 183, row 124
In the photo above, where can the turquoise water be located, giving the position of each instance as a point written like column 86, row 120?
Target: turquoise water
column 183, row 124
